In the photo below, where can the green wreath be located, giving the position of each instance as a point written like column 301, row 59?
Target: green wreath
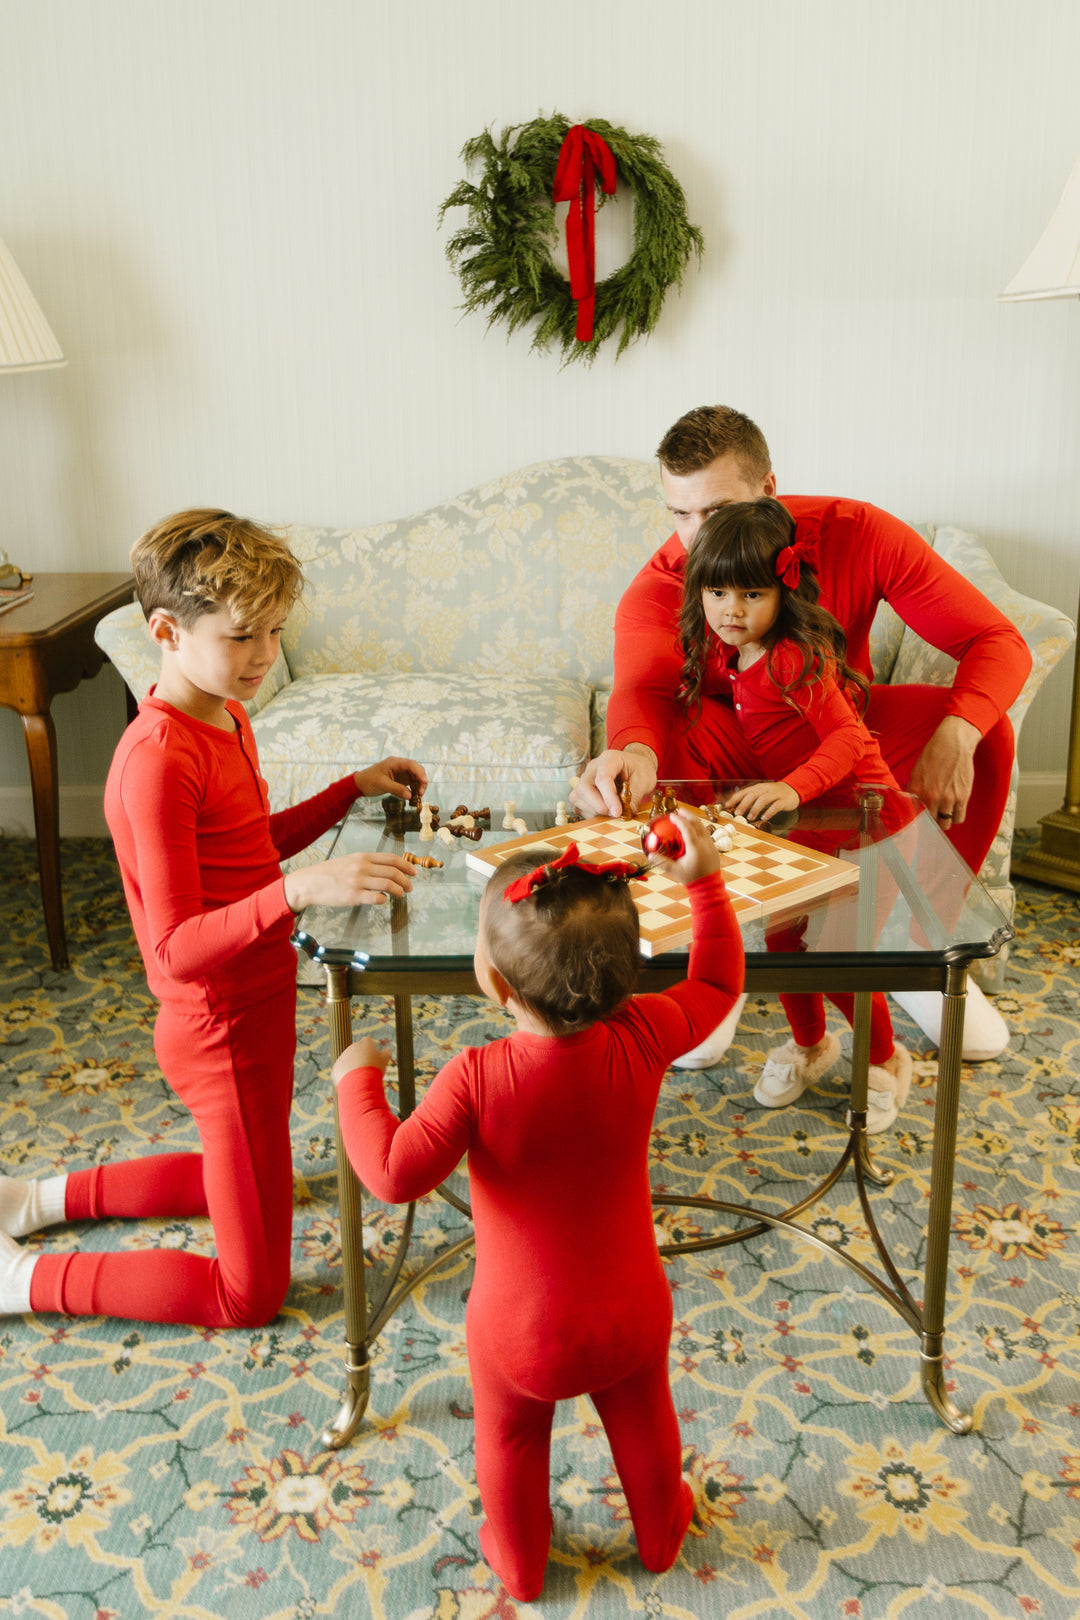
column 503, row 255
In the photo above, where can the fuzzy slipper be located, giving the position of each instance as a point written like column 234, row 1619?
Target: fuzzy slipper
column 787, row 1073
column 899, row 1067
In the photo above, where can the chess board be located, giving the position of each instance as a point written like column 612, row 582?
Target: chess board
column 763, row 873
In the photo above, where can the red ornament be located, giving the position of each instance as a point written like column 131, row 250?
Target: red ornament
column 663, row 837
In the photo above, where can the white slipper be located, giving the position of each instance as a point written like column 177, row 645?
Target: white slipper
column 787, row 1073
column 900, row 1067
column 715, row 1045
column 986, row 1034
column 881, row 1104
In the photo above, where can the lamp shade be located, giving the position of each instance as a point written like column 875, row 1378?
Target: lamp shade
column 26, row 340
column 1052, row 269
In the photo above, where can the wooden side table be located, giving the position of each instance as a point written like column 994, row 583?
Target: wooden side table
column 47, row 646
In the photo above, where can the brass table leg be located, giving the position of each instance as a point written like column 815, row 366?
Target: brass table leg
column 357, row 1371
column 940, row 1214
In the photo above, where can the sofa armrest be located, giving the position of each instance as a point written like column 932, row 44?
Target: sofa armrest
column 1047, row 631
column 123, row 637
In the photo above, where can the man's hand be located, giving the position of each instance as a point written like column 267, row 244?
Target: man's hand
column 351, row 880
column 944, row 771
column 597, row 793
column 393, row 775
column 362, row 1054
column 761, row 800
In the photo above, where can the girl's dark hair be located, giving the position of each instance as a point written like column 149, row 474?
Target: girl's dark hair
column 738, row 546
column 571, row 951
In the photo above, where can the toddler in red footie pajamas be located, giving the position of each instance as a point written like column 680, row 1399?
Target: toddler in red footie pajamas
column 570, row 1295
column 199, row 855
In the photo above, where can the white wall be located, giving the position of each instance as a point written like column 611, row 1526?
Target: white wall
column 227, row 209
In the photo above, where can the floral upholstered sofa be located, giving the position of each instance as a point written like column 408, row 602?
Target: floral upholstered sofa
column 477, row 636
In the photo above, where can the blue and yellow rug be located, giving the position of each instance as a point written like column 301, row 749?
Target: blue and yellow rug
column 158, row 1471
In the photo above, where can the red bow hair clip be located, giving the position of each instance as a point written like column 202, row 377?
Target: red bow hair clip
column 788, row 560
column 522, row 887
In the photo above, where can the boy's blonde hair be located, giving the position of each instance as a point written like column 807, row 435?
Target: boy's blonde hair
column 198, row 561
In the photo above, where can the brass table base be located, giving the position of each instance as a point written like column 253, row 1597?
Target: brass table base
column 363, row 1324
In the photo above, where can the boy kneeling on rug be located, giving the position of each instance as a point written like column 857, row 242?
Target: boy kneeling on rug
column 569, row 1296
column 199, row 854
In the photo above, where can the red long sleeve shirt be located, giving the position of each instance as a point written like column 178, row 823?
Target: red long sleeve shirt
column 199, row 855
column 865, row 556
column 814, row 747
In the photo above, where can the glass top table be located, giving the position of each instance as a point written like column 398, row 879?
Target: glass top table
column 903, row 912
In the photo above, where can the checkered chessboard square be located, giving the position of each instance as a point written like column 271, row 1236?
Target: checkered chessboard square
column 764, row 873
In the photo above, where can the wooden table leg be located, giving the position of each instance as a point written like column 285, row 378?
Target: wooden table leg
column 40, row 735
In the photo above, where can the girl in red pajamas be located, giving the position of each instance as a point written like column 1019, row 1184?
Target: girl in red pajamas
column 199, row 854
column 756, row 642
column 569, row 1295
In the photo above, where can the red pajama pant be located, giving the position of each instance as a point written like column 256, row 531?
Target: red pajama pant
column 234, row 1071
column 513, row 1414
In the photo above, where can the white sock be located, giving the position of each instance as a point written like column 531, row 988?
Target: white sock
column 27, row 1206
column 16, row 1269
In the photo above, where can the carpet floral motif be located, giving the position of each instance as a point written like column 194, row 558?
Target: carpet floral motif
column 182, row 1472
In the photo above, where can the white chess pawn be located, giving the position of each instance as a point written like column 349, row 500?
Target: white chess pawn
column 426, row 834
column 508, row 818
column 445, row 836
column 520, row 826
column 722, row 840
column 561, row 817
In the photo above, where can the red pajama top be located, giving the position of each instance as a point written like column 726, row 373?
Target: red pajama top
column 864, row 556
column 814, row 747
column 557, row 1133
column 199, row 855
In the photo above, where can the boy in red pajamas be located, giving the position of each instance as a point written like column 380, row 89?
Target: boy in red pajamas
column 199, row 855
column 569, row 1295
column 951, row 746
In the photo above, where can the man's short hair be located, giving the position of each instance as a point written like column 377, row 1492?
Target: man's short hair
column 709, row 431
column 198, row 561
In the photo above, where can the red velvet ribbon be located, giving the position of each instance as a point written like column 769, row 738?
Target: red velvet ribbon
column 788, row 560
column 522, row 887
column 581, row 154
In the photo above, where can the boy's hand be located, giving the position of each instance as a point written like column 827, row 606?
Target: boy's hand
column 701, row 855
column 362, row 1054
column 762, row 799
column 351, row 880
column 393, row 775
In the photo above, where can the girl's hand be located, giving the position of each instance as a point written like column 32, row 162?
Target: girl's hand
column 763, row 799
column 351, row 880
column 362, row 1054
column 393, row 775
column 701, row 855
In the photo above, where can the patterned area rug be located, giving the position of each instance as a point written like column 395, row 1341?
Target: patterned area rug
column 159, row 1471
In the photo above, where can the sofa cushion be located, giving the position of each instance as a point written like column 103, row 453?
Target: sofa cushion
column 473, row 728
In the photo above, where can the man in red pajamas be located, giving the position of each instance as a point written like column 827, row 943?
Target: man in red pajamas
column 199, row 854
column 950, row 746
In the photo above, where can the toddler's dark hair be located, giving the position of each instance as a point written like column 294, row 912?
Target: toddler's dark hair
column 571, row 951
column 738, row 546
